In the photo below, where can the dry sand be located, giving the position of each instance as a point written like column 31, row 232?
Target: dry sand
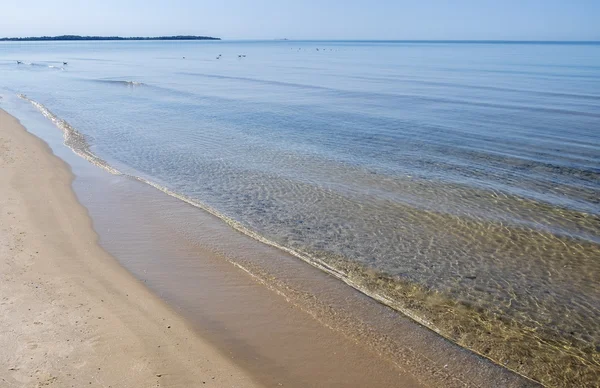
column 70, row 315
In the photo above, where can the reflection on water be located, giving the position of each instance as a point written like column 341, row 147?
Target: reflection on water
column 459, row 183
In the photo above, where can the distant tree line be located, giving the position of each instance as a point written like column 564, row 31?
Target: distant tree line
column 78, row 37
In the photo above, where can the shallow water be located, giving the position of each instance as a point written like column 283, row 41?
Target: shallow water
column 459, row 183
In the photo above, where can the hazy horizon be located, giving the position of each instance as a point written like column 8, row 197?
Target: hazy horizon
column 529, row 20
column 315, row 40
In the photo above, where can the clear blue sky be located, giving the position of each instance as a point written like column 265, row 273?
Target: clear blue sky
column 308, row 19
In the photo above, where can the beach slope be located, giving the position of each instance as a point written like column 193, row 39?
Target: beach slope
column 70, row 315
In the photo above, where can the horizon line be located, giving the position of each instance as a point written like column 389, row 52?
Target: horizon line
column 205, row 37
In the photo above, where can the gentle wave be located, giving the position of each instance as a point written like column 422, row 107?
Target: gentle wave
column 77, row 143
column 463, row 85
column 43, row 65
column 402, row 98
column 73, row 139
column 121, row 82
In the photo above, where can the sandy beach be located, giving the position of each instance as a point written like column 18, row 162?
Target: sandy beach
column 71, row 316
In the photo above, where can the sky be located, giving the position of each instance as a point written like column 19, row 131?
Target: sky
column 308, row 19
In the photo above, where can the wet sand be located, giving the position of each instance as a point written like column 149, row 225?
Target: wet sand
column 70, row 315
column 339, row 336
column 281, row 321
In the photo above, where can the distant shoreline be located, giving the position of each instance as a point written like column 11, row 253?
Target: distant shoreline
column 87, row 38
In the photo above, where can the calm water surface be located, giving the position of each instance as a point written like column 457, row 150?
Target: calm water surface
column 457, row 182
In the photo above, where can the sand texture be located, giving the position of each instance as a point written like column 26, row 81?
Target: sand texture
column 70, row 315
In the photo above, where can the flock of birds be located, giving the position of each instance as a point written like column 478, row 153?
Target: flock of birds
column 218, row 56
column 21, row 62
column 318, row 49
column 221, row 55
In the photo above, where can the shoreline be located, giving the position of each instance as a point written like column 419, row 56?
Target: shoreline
column 76, row 142
column 269, row 346
column 71, row 313
column 80, row 38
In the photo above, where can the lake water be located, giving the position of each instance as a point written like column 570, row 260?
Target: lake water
column 456, row 182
